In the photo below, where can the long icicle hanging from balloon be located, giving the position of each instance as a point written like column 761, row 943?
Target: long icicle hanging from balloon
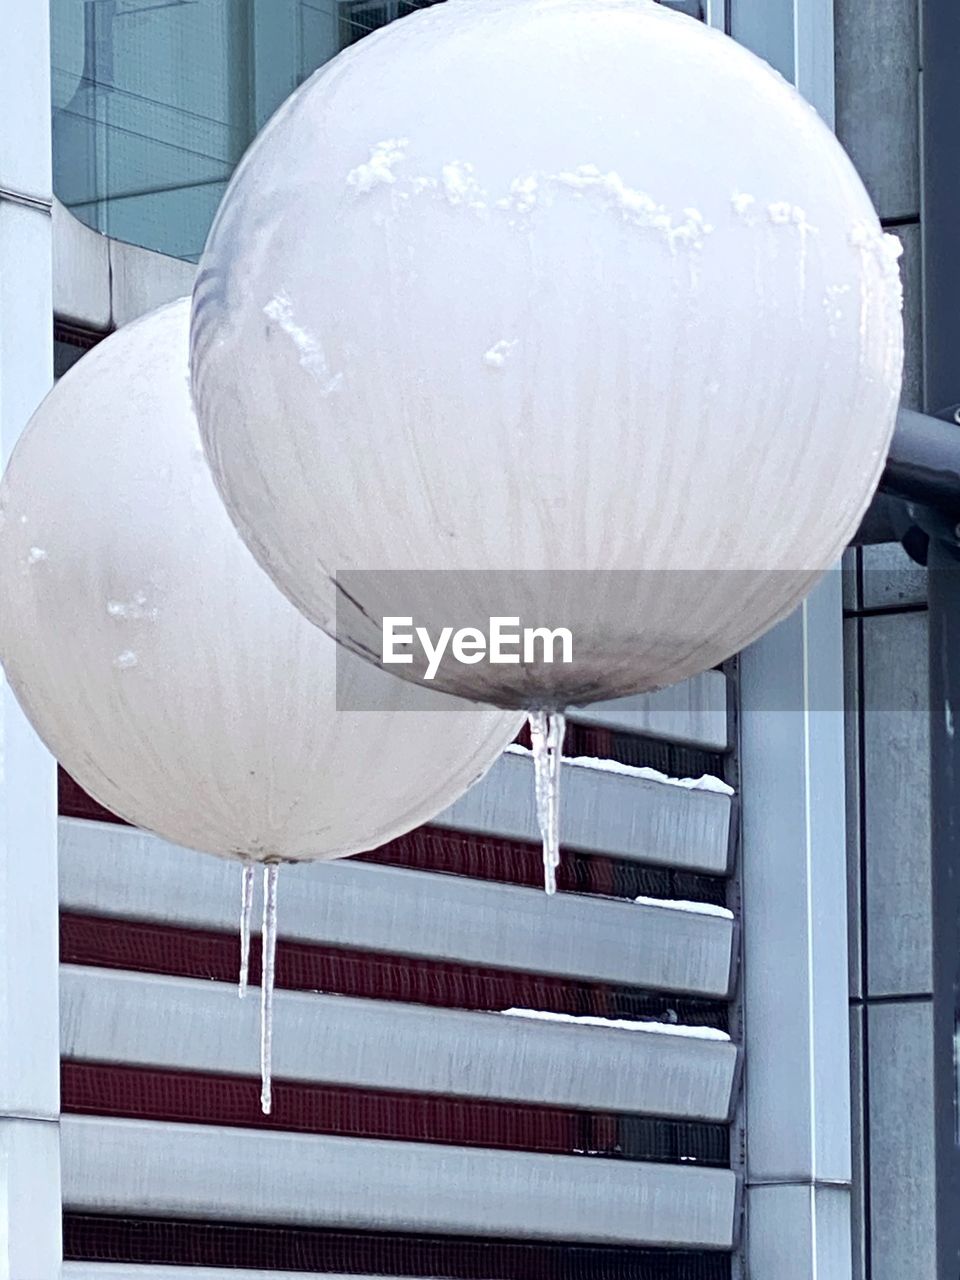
column 188, row 696
column 268, row 964
column 246, row 915
column 546, row 740
column 268, row 973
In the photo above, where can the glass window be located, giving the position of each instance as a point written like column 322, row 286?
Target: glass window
column 155, row 101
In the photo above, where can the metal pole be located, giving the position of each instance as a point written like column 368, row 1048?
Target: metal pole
column 923, row 465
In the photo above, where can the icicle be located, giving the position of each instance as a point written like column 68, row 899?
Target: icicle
column 246, row 912
column 555, row 736
column 269, row 944
column 546, row 738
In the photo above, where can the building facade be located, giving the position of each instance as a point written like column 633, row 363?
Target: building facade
column 415, row 1134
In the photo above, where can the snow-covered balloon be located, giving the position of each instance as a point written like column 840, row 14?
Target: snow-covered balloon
column 163, row 668
column 576, row 302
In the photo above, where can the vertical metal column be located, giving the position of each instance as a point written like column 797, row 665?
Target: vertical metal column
column 940, row 232
column 797, row 1059
column 797, row 1068
column 943, row 587
column 29, row 1031
column 940, row 201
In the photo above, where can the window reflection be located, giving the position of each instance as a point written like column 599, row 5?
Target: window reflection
column 154, row 101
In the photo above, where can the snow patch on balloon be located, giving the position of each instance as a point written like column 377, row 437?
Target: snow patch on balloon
column 782, row 214
column 496, row 357
column 637, row 207
column 280, row 310
column 134, row 609
column 883, row 250
column 884, row 246
column 460, row 186
column 742, row 203
column 832, row 296
column 777, row 213
column 378, row 170
column 523, row 194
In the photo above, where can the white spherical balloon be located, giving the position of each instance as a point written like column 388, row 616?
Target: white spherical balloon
column 160, row 664
column 584, row 292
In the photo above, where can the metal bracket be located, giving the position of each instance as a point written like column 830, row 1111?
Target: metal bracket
column 919, row 494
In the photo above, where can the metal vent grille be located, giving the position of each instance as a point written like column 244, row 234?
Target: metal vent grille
column 110, row 1089
column 192, row 1244
column 143, row 947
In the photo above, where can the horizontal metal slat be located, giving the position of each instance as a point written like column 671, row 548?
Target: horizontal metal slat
column 127, row 1166
column 201, row 1026
column 693, row 712
column 120, row 871
column 123, row 1271
column 603, row 811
